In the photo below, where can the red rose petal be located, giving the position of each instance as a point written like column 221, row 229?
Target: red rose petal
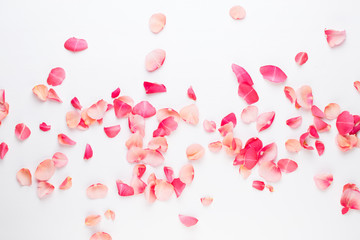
column 97, row 191
column 44, row 189
column 294, row 122
column 186, row 174
column 249, row 114
column 144, row 109
column 157, row 22
column 165, row 127
column 101, row 236
column 23, row 176
column 188, row 221
column 115, row 93
column 179, row 186
column 259, row 185
column 269, row 171
column 301, row 58
column 169, row 174
column 154, row 59
column 154, row 88
column 323, row 180
column 248, row 93
column 313, row 132
column 237, row 12
column 45, row 170
column 3, row 150
column 22, row 132
column 320, row 147
column 75, row 103
column 60, row 160
column 190, row 114
column 293, row 145
column 273, row 74
column 264, row 121
column 65, row 140
column 229, row 118
column 345, row 123
column 242, row 75
column 191, row 93
column 44, row 127
column 334, row 37
column 124, row 190
column 112, row 131
column 75, row 44
column 287, row 165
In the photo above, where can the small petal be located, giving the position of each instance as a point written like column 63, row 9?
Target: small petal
column 153, row 157
column 75, row 103
column 179, row 186
column 44, row 127
column 357, row 86
column 186, row 174
column 163, row 190
column 237, row 12
column 269, row 171
column 112, row 131
column 136, row 154
column 60, row 160
column 209, row 126
column 139, row 170
column 254, row 143
column 188, row 221
column 56, row 76
column 290, row 94
column 191, row 94
column 293, row 145
column 190, row 114
column 45, row 170
column 97, row 110
column 115, row 93
column 334, row 37
column 88, row 152
column 273, row 74
column 242, row 75
column 109, row 214
column 169, row 174
column 44, row 189
column 305, row 97
column 248, row 93
column 320, row 147
column 154, row 88
column 65, row 140
column 92, row 220
column 73, row 119
column 97, row 191
column 287, row 165
column 215, row 146
column 101, row 236
column 157, row 22
column 41, row 91
column 294, row 122
column 52, row 95
column 226, row 129
column 303, row 142
column 124, row 190
column 66, row 184
column 206, row 201
column 345, row 123
column 320, row 125
column 264, row 121
column 144, row 109
column 154, row 59
column 332, row 111
column 313, row 132
column 259, row 185
column 75, row 44
column 195, row 151
column 158, row 143
column 301, row 58
column 121, row 108
column 165, row 127
column 23, row 176
column 22, row 132
column 323, row 180
column 3, row 150
column 249, row 114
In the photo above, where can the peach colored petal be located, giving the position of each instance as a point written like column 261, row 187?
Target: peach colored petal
column 150, row 192
column 244, row 172
column 191, row 94
column 209, row 126
column 188, row 221
column 158, row 143
column 44, row 127
column 242, row 75
column 163, row 190
column 195, row 151
column 124, row 190
column 87, row 121
column 3, row 150
column 316, row 112
column 153, row 157
column 215, row 146
column 303, row 142
column 232, row 145
column 287, row 165
column 346, row 143
column 163, row 113
column 271, row 188
column 206, row 201
column 268, row 153
column 169, row 174
column 138, row 185
column 248, row 93
column 112, row 131
column 186, row 174
column 45, row 170
column 101, row 236
column 73, row 119
column 76, row 103
column 139, row 170
column 60, row 160
column 320, row 147
column 109, row 214
column 345, row 122
column 301, row 58
column 44, row 189
column 264, row 121
column 136, row 154
column 293, row 145
column 237, row 12
column 65, row 140
column 121, row 108
column 294, row 122
column 229, row 118
column 357, row 86
column 190, row 114
column 249, row 114
column 334, row 37
column 92, row 220
column 52, row 95
column 41, row 91
column 151, row 88
column 290, row 94
column 313, row 132
column 88, row 152
column 66, row 184
column 269, row 171
column 136, row 124
column 154, row 60
column 323, row 180
column 56, row 76
column 254, row 143
column 97, row 191
column 273, row 74
column 22, row 132
column 97, row 110
column 227, row 128
column 23, row 176
column 320, row 125
column 2, row 96
column 126, row 99
column 135, row 140
column 305, row 97
column 157, row 22
column 165, row 127
column 259, row 185
column 75, row 44
column 144, row 109
column 115, row 93
column 179, row 186
column 332, row 111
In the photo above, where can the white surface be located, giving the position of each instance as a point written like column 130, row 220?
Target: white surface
column 201, row 41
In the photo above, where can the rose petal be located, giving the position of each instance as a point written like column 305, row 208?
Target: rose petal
column 112, row 131
column 346, row 143
column 188, row 221
column 229, row 118
column 4, row 111
column 135, row 140
column 163, row 190
column 3, row 150
column 316, row 112
column 73, row 119
column 139, row 170
column 157, row 22
column 301, row 58
column 249, row 114
column 206, row 201
column 271, row 188
column 60, row 160
column 247, row 157
column 65, row 140
column 56, row 76
column 154, row 88
column 92, row 220
column 169, row 174
column 153, row 157
column 75, row 103
column 178, row 185
column 136, row 124
column 2, row 96
column 248, row 93
column 124, row 190
column 293, row 145
column 323, row 180
column 109, row 214
column 350, row 199
column 320, row 147
column 186, row 174
column 320, row 125
column 138, row 185
column 259, row 185
column 264, row 121
column 121, row 108
column 269, row 171
column 294, row 122
column 232, row 145
column 136, row 154
column 268, row 153
column 165, row 127
column 209, row 126
column 273, row 74
column 242, row 75
column 97, row 191
column 313, row 132
column 97, row 110
column 305, row 97
column 334, row 37
column 115, row 93
column 41, row 91
column 144, row 109
column 254, row 143
column 75, row 44
column 88, row 152
column 190, row 114
column 163, row 113
column 22, row 132
column 158, row 143
column 44, row 189
column 191, row 93
column 237, row 12
column 45, row 170
column 23, row 176
column 357, row 86
column 154, row 59
column 215, row 146
column 195, row 151
column 303, row 142
column 332, row 111
column 66, row 184
column 44, row 127
column 287, row 165
column 290, row 94
column 101, row 236
column 52, row 95
column 356, row 127
column 226, row 129
column 345, row 123
column 244, row 172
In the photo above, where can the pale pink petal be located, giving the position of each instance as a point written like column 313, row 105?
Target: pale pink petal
column 76, row 103
column 136, row 124
column 154, row 59
column 92, row 220
column 188, row 221
column 109, row 214
column 150, row 192
column 227, row 128
column 209, row 126
column 350, row 198
column 56, row 76
column 323, row 180
column 4, row 111
column 2, row 96
column 345, row 123
column 254, row 143
column 163, row 113
column 357, row 86
column 52, row 95
column 169, row 174
column 112, row 131
column 316, row 112
column 303, row 142
column 215, row 146
column 136, row 154
column 158, row 143
column 73, row 119
column 22, row 132
column 165, row 127
column 232, row 145
column 248, row 93
column 44, row 127
column 268, row 152
column 271, row 188
column 163, row 190
column 244, row 172
column 186, row 174
column 124, row 190
column 138, row 185
column 305, row 97
column 242, row 75
column 66, row 184
column 356, row 127
column 65, row 140
column 264, row 121
column 249, row 114
column 334, row 37
column 313, row 132
column 41, row 91
column 115, row 93
column 101, row 236
column 44, row 189
column 259, row 185
column 157, row 22
column 190, row 114
column 3, row 150
column 320, row 147
column 229, row 118
column 273, row 74
column 294, row 122
column 126, row 99
column 88, row 152
column 320, row 125
column 237, row 12
column 23, row 176
column 75, row 44
column 287, row 165
column 301, row 58
column 139, row 170
column 60, row 160
column 269, row 171
column 346, row 143
column 97, row 191
column 144, row 109
column 332, row 111
column 135, row 140
column 178, row 185
column 191, row 94
column 206, row 201
column 290, row 94
column 45, row 170
column 97, row 110
column 293, row 145
column 195, row 151
column 154, row 87
column 153, row 157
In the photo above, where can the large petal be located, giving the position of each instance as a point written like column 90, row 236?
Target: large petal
column 323, row 180
column 186, row 174
column 190, row 114
column 112, row 131
column 287, row 165
column 332, row 111
column 231, row 117
column 56, row 76
column 248, row 93
column 60, row 160
column 195, row 151
column 44, row 189
column 97, row 110
column 65, row 140
column 121, row 108
column 273, row 74
column 163, row 190
column 345, row 123
column 124, row 190
column 154, row 87
column 268, row 153
column 144, row 109
column 249, row 114
column 237, row 12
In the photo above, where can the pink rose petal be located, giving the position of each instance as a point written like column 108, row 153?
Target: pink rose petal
column 157, row 22
column 254, row 143
column 56, row 76
column 139, row 170
column 179, row 186
column 290, row 94
column 109, row 214
column 45, row 170
column 154, row 158
column 138, row 185
column 135, row 140
column 65, row 140
column 305, row 97
column 112, row 131
column 244, row 172
column 273, row 74
column 226, row 129
column 293, row 145
column 191, row 94
column 22, row 132
column 97, row 110
column 249, row 114
column 247, row 158
column 158, row 143
column 242, row 75
column 136, row 154
column 144, row 109
column 92, row 220
column 75, row 44
column 320, row 125
column 169, row 174
column 346, row 143
column 88, row 152
column 229, row 118
column 248, row 93
column 190, row 114
column 165, row 127
column 2, row 96
column 259, row 185
column 75, row 103
column 163, row 190
column 215, row 146
column 237, row 12
column 188, row 221
column 97, row 191
column 154, row 87
column 209, row 126
column 44, row 189
column 66, row 184
column 195, row 151
column 115, row 93
column 350, row 198
column 124, row 190
column 294, row 122
column 303, row 142
column 357, row 86
column 101, row 236
column 287, row 165
column 334, row 37
column 60, row 160
column 323, row 180
column 356, row 127
column 163, row 113
column 332, row 111
column 269, row 171
column 23, row 176
column 301, row 58
column 313, row 132
column 316, row 112
column 320, row 147
column 154, row 59
column 345, row 123
column 268, row 153
column 52, row 95
column 121, row 108
column 41, row 91
column 206, row 201
column 3, row 150
column 264, row 121
column 73, row 119
column 44, row 127
column 186, row 174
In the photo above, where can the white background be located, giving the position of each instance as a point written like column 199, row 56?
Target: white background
column 201, row 42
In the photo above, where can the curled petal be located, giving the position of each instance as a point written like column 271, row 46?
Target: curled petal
column 305, row 97
column 303, row 142
column 287, row 165
column 242, row 75
column 97, row 191
column 144, row 109
column 334, row 37
column 60, row 160
column 44, row 189
column 157, row 22
column 52, row 95
column 254, row 143
column 163, row 113
column 269, row 171
column 179, row 186
column 226, row 129
column 163, row 190
column 3, row 150
column 357, row 86
column 22, row 132
column 215, row 146
column 268, row 153
column 195, row 151
column 229, row 118
column 316, row 112
column 124, row 190
column 73, row 119
column 2, row 96
column 264, row 121
column 154, row 158
column 320, row 125
column 169, row 174
column 138, row 185
column 154, row 88
column 88, row 152
column 165, row 127
column 188, row 221
column 232, row 145
column 273, row 74
column 350, row 198
column 345, row 123
column 190, row 114
column 56, row 76
column 332, row 111
column 186, row 174
column 249, row 114
column 109, row 214
column 66, row 184
column 345, row 143
column 323, row 180
column 112, row 131
column 191, row 94
column 44, row 127
column 97, row 110
column 135, row 140
column 75, row 44
column 115, row 93
column 320, row 147
column 41, row 91
column 150, row 192
column 136, row 154
column 247, row 158
column 76, row 103
column 293, row 145
column 237, row 12
column 259, row 185
column 101, row 236
column 158, row 143
column 136, row 124
column 294, row 122
column 290, row 94
column 209, row 126
column 92, row 220
column 301, row 58
column 23, row 176
column 313, row 132
column 356, row 127
column 65, row 140
column 206, row 201
column 154, row 59
column 45, row 170
column 248, row 93
column 139, row 170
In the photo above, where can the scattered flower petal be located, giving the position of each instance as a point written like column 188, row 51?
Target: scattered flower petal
column 188, row 221
column 88, row 152
column 153, row 157
column 154, row 59
column 144, row 109
column 163, row 190
column 316, row 112
column 242, row 75
column 287, row 165
column 320, row 125
column 206, row 201
column 92, row 220
column 259, row 185
column 109, row 214
column 44, row 127
column 229, row 118
column 3, row 150
column 101, row 236
column 66, row 184
column 248, row 93
column 195, row 151
column 22, row 132
column 178, row 185
column 136, row 124
column 294, row 122
column 65, row 140
column 350, row 198
column 169, row 174
column 23, row 176
column 41, row 91
column 293, row 145
column 97, row 110
column 273, row 74
column 320, row 147
column 163, row 113
column 158, row 143
column 237, row 12
column 357, row 86
column 268, row 153
column 75, row 44
column 45, row 170
column 323, row 180
column 124, row 190
column 56, row 76
column 60, row 160
column 190, row 114
column 186, row 174
column 305, row 97
column 209, row 126
column 346, row 143
column 73, row 119
column 345, row 123
column 313, row 132
column 332, row 111
column 301, row 58
column 44, row 189
column 303, row 142
column 112, row 131
column 264, row 121
column 165, row 127
column 136, row 154
column 191, row 93
column 290, row 94
column 269, row 171
column 157, row 22
column 215, row 146
column 75, row 103
column 154, row 88
column 52, row 95
column 97, row 191
column 334, row 37
column 249, row 114
column 115, row 93
column 121, row 108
